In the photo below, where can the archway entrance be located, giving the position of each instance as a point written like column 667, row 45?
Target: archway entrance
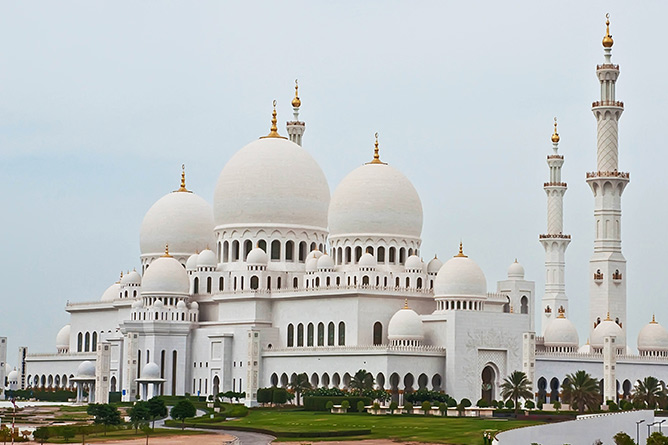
column 488, row 378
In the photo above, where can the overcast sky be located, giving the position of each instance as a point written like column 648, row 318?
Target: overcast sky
column 101, row 103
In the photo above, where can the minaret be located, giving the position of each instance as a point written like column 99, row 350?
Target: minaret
column 607, row 267
column 554, row 241
column 296, row 127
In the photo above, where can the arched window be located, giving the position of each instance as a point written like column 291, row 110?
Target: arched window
column 269, row 283
column 393, row 255
column 262, row 244
column 196, row 286
column 348, row 255
column 338, row 281
column 358, row 254
column 365, row 280
column 242, row 283
column 309, row 334
column 219, row 250
column 289, row 251
column 524, row 305
column 234, row 287
column 248, row 246
column 317, row 281
column 300, row 334
column 402, row 255
column 87, row 342
column 291, row 335
column 221, row 283
column 328, row 281
column 226, row 251
column 339, row 256
column 80, row 342
column 312, row 247
column 254, row 282
column 410, row 252
column 378, row 333
column 408, row 282
column 321, row 248
column 208, row 285
column 330, row 334
column 278, row 283
column 302, row 251
column 235, row 250
column 321, row 334
column 94, row 345
column 276, row 250
column 295, row 282
column 419, row 283
column 396, row 284
column 342, row 334
column 381, row 254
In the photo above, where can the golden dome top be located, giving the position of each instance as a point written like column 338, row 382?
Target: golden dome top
column 653, row 320
column 461, row 251
column 376, row 153
column 296, row 102
column 607, row 40
column 183, row 180
column 166, row 255
column 273, row 131
column 555, row 135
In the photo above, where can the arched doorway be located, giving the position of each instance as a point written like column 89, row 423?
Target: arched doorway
column 216, row 384
column 488, row 378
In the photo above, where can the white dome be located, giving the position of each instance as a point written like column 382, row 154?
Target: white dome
column 183, row 220
column 434, row 265
column 194, row 305
column 138, row 303
column 112, row 293
column 165, row 275
column 272, row 181
column 86, row 369
column 561, row 332
column 151, row 371
column 414, row 262
column 607, row 328
column 181, row 305
column 206, row 258
column 405, row 324
column 158, row 304
column 375, row 199
column 586, row 349
column 257, row 256
column 311, row 264
column 460, row 277
column 325, row 262
column 13, row 376
column 653, row 337
column 516, row 270
column 63, row 337
column 367, row 260
column 191, row 264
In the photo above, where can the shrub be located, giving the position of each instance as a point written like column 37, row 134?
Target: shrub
column 421, row 395
column 443, row 408
column 528, row 404
column 345, row 404
column 319, row 403
column 408, row 406
column 451, row 403
column 625, row 405
column 465, row 403
column 539, row 405
column 482, row 403
column 556, row 405
column 612, row 406
column 621, row 438
column 329, row 405
column 426, row 406
column 394, row 405
column 510, row 404
column 265, row 395
column 360, row 406
column 376, row 406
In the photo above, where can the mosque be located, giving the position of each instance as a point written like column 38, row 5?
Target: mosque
column 280, row 278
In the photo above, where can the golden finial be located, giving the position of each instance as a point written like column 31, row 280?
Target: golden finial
column 555, row 135
column 461, row 251
column 406, row 304
column 273, row 132
column 167, row 255
column 511, row 308
column 376, row 155
column 296, row 102
column 607, row 40
column 653, row 320
column 183, row 180
column 608, row 317
column 587, row 341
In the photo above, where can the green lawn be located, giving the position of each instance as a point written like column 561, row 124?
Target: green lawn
column 450, row 430
column 124, row 434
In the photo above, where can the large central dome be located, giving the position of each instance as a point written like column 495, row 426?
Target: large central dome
column 271, row 181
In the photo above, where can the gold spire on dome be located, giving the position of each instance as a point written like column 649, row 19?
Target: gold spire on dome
column 183, row 180
column 406, row 304
column 273, row 131
column 653, row 320
column 461, row 251
column 376, row 155
column 296, row 102
column 166, row 255
column 608, row 317
column 555, row 135
column 607, row 40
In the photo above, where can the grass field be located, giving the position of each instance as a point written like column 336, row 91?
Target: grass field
column 124, row 434
column 450, row 430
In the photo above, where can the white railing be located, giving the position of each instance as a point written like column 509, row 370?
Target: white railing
column 370, row 348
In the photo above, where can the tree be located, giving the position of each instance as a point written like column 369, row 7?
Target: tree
column 657, row 438
column 649, row 391
column 147, row 430
column 68, row 433
column 139, row 414
column 361, row 381
column 157, row 409
column 104, row 414
column 42, row 434
column 516, row 386
column 581, row 391
column 182, row 410
column 299, row 384
column 621, row 438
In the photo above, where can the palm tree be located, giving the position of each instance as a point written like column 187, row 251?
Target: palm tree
column 361, row 381
column 516, row 386
column 649, row 390
column 300, row 383
column 581, row 390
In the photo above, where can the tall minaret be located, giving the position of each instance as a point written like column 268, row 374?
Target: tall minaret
column 296, row 127
column 554, row 241
column 607, row 267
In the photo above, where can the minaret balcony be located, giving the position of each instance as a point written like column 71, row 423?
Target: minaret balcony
column 607, row 103
column 555, row 184
column 555, row 156
column 607, row 66
column 554, row 236
column 598, row 277
column 617, row 277
column 612, row 174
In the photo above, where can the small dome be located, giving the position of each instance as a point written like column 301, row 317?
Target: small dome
column 516, row 270
column 325, row 262
column 367, row 260
column 138, row 304
column 258, row 257
column 561, row 332
column 86, row 369
column 607, row 328
column 13, row 376
column 158, row 304
column 460, row 277
column 194, row 305
column 181, row 305
column 434, row 265
column 165, row 275
column 586, row 349
column 653, row 337
column 405, row 324
column 191, row 264
column 206, row 258
column 413, row 262
column 312, row 260
column 112, row 293
column 63, row 337
column 150, row 371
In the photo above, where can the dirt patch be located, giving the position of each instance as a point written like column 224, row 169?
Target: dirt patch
column 200, row 439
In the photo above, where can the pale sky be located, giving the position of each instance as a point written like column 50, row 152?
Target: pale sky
column 101, row 103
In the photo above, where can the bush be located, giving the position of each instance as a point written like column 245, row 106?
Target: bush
column 556, row 405
column 422, row 395
column 612, row 406
column 345, row 404
column 625, row 405
column 451, row 403
column 360, row 406
column 510, row 404
column 376, row 406
column 319, row 403
column 329, row 405
column 539, row 405
column 394, row 405
column 442, row 408
column 528, row 404
column 465, row 403
column 408, row 406
column 482, row 403
column 275, row 395
column 426, row 406
column 621, row 438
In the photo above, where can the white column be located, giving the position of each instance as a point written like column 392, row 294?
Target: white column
column 529, row 357
column 253, row 367
column 609, row 371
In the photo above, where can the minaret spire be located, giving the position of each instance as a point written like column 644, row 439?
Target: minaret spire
column 296, row 127
column 607, row 265
column 554, row 241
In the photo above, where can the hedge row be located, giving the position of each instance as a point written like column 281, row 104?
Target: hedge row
column 232, row 428
column 319, row 403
